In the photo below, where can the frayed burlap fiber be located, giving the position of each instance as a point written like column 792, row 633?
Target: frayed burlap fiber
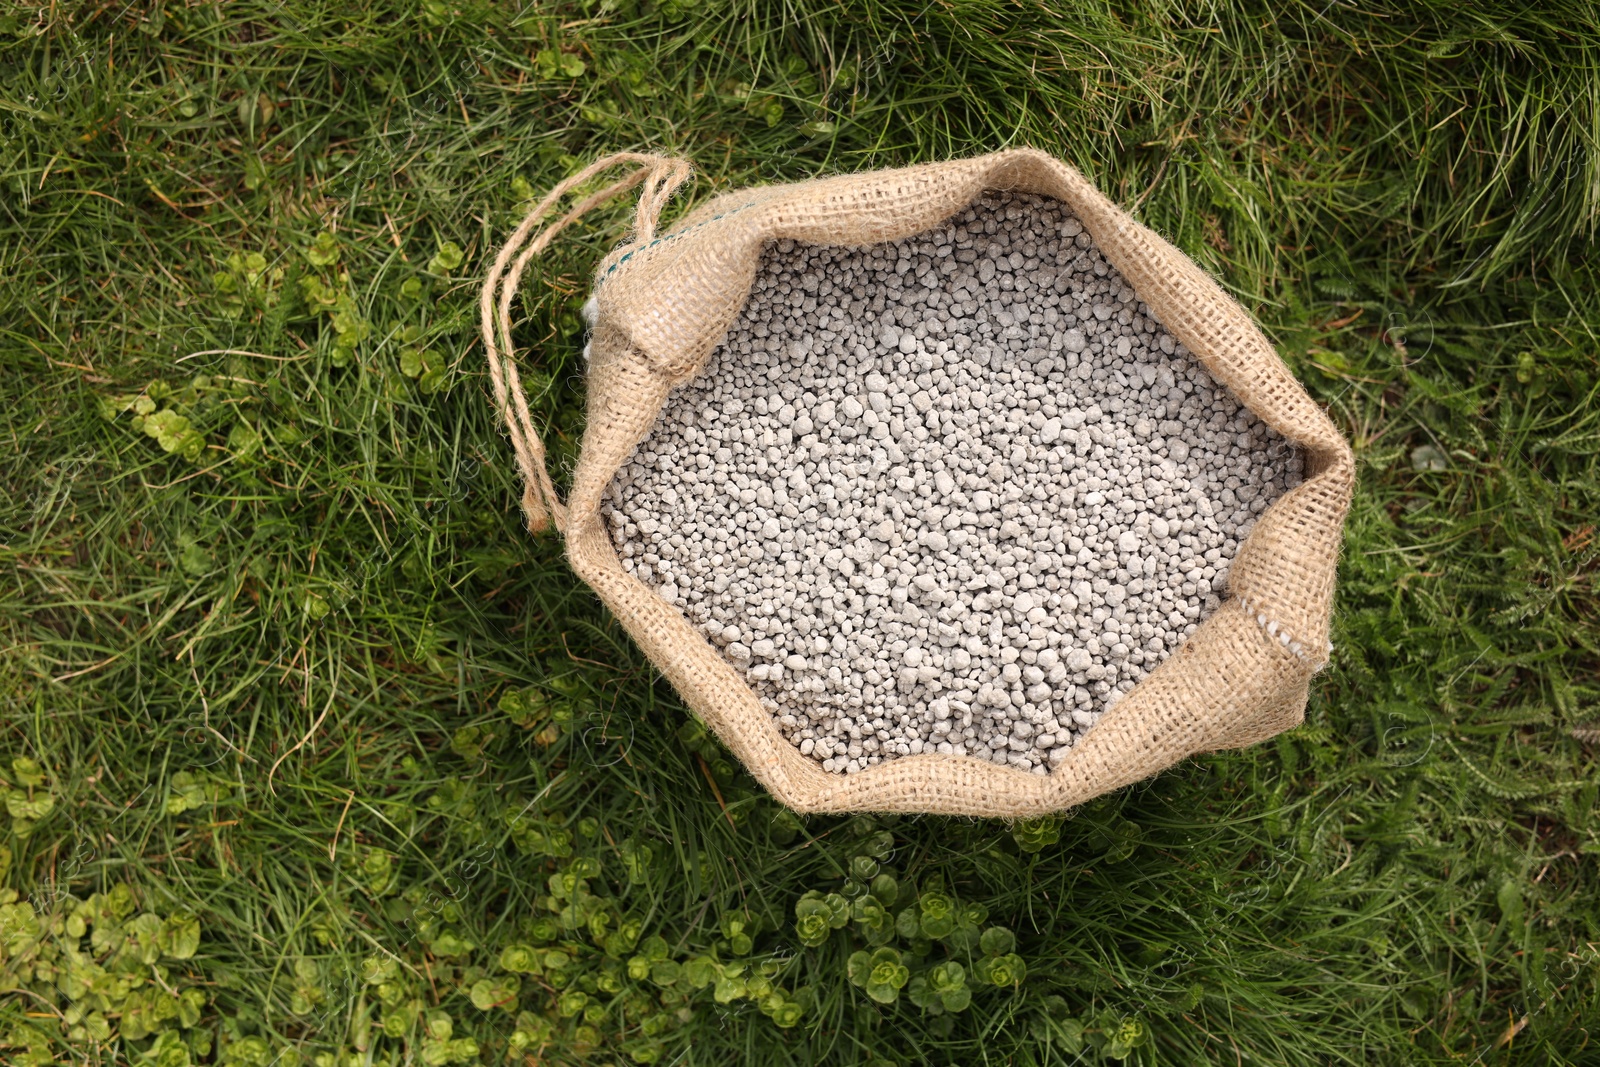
column 665, row 302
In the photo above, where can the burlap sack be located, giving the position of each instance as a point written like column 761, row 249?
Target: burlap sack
column 664, row 303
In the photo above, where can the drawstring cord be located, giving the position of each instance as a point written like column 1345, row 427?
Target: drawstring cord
column 661, row 175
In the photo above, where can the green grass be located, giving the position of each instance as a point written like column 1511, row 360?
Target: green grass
column 304, row 680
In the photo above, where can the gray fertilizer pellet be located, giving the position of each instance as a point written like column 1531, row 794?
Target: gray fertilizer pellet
column 957, row 493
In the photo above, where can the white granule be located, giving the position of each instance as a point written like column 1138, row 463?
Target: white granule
column 957, row 493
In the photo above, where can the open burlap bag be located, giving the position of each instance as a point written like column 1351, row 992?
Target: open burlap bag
column 665, row 302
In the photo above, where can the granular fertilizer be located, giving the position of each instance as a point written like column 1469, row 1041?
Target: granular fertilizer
column 955, row 493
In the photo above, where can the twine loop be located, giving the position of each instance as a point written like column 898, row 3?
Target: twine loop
column 661, row 177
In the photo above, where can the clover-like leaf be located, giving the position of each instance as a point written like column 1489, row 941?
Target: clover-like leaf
column 518, row 705
column 499, row 992
column 997, row 941
column 447, row 258
column 937, row 914
column 636, row 859
column 316, row 606
column 813, row 928
column 438, row 1025
column 115, row 905
column 700, row 971
column 398, row 1019
column 787, row 1013
column 728, row 988
column 377, row 871
column 1128, row 1035
column 564, row 885
column 29, row 811
column 243, row 440
column 143, row 933
column 531, row 1032
column 351, row 327
column 169, row 1050
column 1054, row 1023
column 173, row 432
column 857, row 966
column 1034, row 835
column 180, row 936
column 378, row 970
column 967, row 934
column 623, row 938
column 27, row 772
column 468, row 741
column 942, row 989
column 413, row 361
column 1126, row 837
column 947, row 977
column 318, row 295
column 869, row 911
column 553, row 63
column 645, row 1050
column 665, row 972
column 193, row 559
column 886, row 888
column 885, row 976
column 460, row 1050
column 323, row 250
column 520, row 959
column 1007, row 970
column 449, row 943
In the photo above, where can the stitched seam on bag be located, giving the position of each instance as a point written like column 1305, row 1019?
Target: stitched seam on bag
column 1281, row 634
column 669, row 236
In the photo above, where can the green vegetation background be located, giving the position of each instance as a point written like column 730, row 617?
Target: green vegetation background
column 312, row 755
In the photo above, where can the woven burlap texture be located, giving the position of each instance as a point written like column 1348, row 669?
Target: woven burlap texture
column 665, row 302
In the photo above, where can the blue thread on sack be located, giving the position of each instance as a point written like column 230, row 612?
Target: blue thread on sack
column 667, row 237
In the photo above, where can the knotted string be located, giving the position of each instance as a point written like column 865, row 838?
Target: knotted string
column 661, row 175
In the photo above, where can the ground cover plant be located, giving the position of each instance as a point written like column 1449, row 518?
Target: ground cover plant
column 311, row 755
